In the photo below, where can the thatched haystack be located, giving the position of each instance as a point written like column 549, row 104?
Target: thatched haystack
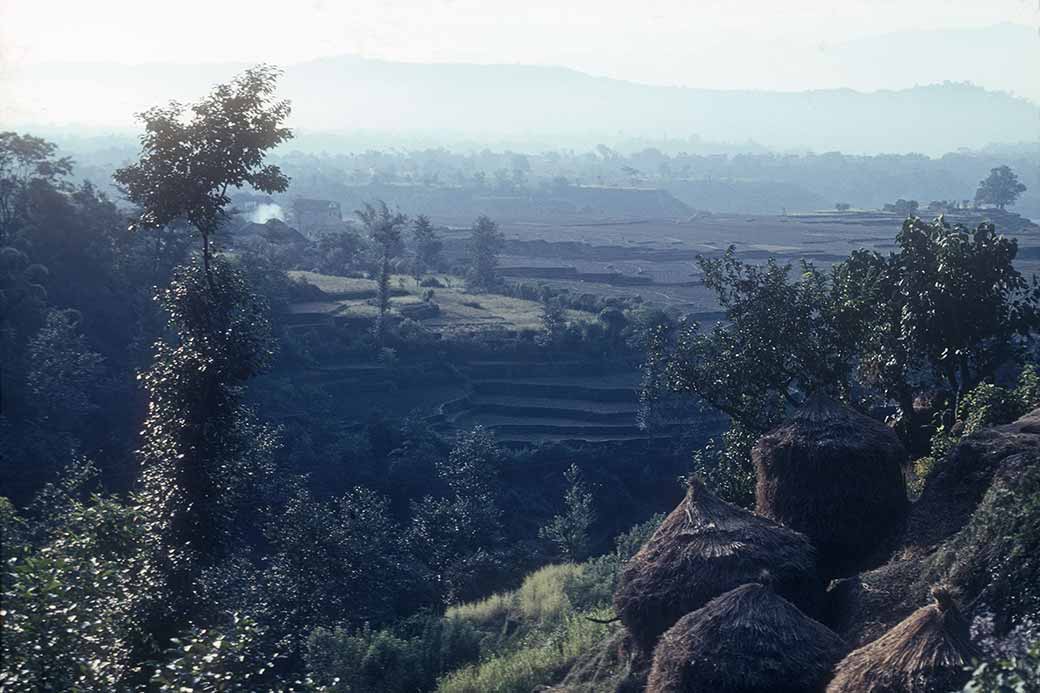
column 749, row 640
column 704, row 548
column 837, row 476
column 616, row 665
column 978, row 508
column 925, row 653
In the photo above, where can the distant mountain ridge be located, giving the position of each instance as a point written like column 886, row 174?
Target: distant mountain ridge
column 350, row 93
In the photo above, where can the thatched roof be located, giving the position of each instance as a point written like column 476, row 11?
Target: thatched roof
column 837, row 476
column 703, row 548
column 926, row 653
column 749, row 639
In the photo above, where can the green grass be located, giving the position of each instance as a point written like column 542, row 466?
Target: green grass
column 486, row 613
column 532, row 634
column 461, row 311
column 542, row 597
column 540, row 600
column 334, row 285
column 540, row 660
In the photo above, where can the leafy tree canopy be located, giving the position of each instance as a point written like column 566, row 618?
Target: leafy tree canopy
column 485, row 245
column 1000, row 188
column 23, row 160
column 192, row 155
column 947, row 309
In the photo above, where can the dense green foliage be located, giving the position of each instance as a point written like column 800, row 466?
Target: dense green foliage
column 74, row 590
column 947, row 310
column 25, row 161
column 76, row 296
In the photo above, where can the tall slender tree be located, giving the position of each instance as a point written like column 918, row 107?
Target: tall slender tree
column 199, row 445
column 384, row 228
column 192, row 155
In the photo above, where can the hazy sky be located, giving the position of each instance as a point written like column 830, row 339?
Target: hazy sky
column 707, row 43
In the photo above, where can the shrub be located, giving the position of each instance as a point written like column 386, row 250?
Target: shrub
column 72, row 607
column 726, row 467
column 365, row 661
column 446, row 644
column 942, row 442
column 1028, row 391
column 627, row 544
column 997, row 555
column 593, row 587
column 921, row 469
column 988, row 405
column 230, row 658
column 569, row 531
column 1014, row 674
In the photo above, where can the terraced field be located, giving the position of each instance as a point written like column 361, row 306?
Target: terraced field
column 527, row 402
column 457, row 311
column 522, row 401
column 566, row 399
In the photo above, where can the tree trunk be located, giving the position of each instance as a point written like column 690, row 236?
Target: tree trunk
column 205, row 252
column 916, row 437
column 205, row 260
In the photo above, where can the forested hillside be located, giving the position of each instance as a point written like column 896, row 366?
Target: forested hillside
column 362, row 455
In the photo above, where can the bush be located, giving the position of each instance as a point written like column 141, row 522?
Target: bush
column 593, row 587
column 72, row 608
column 569, row 531
column 726, row 467
column 382, row 661
column 1028, row 391
column 997, row 555
column 921, row 469
column 363, row 662
column 230, row 658
column 1015, row 674
column 983, row 406
column 988, row 405
column 446, row 644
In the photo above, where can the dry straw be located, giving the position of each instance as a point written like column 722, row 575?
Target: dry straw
column 704, row 548
column 925, row 653
column 749, row 639
column 837, row 476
